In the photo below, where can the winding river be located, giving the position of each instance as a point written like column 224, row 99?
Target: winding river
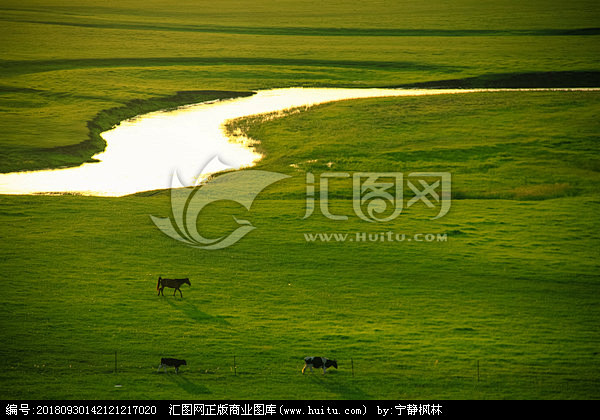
column 143, row 153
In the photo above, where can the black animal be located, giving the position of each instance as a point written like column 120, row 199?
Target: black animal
column 172, row 283
column 318, row 362
column 167, row 361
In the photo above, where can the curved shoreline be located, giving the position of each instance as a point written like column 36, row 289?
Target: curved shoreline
column 74, row 155
column 18, row 158
column 193, row 136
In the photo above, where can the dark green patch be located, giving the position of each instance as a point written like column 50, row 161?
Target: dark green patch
column 552, row 79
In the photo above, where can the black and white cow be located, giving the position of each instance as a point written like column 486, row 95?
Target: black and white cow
column 167, row 361
column 319, row 363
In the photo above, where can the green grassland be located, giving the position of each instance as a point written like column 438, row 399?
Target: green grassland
column 506, row 308
column 514, row 288
column 64, row 62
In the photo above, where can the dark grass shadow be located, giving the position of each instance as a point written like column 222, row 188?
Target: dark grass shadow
column 546, row 79
column 191, row 311
column 20, row 67
column 182, row 381
column 341, row 385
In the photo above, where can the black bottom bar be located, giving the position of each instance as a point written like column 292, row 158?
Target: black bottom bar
column 279, row 408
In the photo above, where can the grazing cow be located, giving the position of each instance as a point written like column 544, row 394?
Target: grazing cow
column 318, row 362
column 167, row 361
column 172, row 283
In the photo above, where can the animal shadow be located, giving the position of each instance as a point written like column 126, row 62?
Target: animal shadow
column 191, row 311
column 188, row 386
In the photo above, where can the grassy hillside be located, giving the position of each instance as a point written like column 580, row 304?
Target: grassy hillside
column 64, row 62
column 506, row 307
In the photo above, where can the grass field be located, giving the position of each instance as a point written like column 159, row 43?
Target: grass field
column 507, row 307
column 64, row 62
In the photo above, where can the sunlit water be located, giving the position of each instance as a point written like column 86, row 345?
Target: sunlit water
column 142, row 154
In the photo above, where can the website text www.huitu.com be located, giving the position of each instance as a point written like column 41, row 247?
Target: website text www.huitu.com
column 375, row 237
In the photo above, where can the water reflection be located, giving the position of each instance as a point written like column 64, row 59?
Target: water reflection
column 142, row 154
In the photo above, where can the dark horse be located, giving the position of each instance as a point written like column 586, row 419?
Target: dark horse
column 172, row 283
